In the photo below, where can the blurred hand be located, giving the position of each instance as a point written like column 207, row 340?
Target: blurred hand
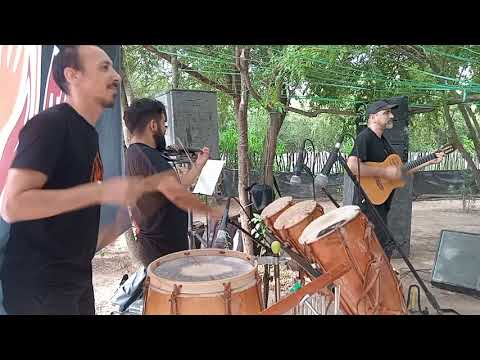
column 440, row 155
column 202, row 157
column 392, row 173
column 123, row 191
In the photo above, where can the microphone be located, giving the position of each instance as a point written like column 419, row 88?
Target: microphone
column 322, row 178
column 296, row 179
column 222, row 234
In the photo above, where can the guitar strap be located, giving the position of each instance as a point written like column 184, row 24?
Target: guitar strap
column 388, row 146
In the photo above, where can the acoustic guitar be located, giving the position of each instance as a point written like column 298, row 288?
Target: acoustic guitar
column 379, row 189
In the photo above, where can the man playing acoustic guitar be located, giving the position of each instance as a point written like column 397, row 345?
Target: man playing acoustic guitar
column 371, row 146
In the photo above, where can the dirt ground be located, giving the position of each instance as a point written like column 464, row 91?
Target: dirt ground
column 428, row 219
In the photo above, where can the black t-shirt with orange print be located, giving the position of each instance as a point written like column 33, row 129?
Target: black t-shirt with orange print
column 55, row 251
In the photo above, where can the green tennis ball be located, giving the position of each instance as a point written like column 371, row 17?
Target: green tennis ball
column 276, row 247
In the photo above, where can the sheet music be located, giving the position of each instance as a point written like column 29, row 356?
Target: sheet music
column 209, row 177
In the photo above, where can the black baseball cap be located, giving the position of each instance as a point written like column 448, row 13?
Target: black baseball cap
column 379, row 105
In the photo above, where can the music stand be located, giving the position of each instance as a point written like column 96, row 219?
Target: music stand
column 206, row 183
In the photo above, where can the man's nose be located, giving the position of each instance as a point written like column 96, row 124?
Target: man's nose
column 117, row 76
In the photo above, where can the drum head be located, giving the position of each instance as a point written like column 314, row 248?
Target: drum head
column 202, row 271
column 276, row 206
column 198, row 268
column 295, row 214
column 327, row 223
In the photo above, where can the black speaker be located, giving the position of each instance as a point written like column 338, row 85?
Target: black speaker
column 398, row 135
column 400, row 215
column 457, row 266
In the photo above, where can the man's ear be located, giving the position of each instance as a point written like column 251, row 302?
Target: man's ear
column 153, row 125
column 71, row 75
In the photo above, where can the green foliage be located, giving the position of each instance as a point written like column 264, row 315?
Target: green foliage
column 147, row 75
column 259, row 230
column 322, row 76
column 322, row 130
column 258, row 123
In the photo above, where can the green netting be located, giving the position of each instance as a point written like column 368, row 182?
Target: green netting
column 332, row 74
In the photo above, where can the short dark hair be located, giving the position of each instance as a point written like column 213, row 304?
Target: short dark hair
column 140, row 112
column 67, row 57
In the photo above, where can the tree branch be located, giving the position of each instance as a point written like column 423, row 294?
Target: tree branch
column 126, row 85
column 429, row 61
column 417, row 55
column 194, row 73
column 459, row 100
column 459, row 145
column 474, row 120
column 243, row 67
column 472, row 131
column 407, row 52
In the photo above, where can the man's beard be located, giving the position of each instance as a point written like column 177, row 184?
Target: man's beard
column 160, row 143
column 389, row 125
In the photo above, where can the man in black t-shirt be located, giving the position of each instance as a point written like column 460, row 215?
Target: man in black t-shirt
column 160, row 219
column 371, row 145
column 54, row 189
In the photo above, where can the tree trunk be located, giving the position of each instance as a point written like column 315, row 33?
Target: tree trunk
column 474, row 135
column 459, row 145
column 175, row 72
column 242, row 150
column 126, row 94
column 125, row 100
column 270, row 147
column 474, row 120
column 276, row 122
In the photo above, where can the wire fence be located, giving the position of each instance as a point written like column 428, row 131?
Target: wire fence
column 315, row 161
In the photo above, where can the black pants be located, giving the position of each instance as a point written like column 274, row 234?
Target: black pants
column 52, row 300
column 381, row 234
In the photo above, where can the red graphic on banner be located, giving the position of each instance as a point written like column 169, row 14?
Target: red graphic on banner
column 20, row 90
column 53, row 94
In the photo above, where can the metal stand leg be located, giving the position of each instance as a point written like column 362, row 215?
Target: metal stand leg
column 207, row 227
column 191, row 238
column 266, row 283
column 276, row 275
column 337, row 300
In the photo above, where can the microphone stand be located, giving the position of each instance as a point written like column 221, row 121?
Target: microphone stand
column 310, row 172
column 302, row 166
column 330, row 197
column 337, row 205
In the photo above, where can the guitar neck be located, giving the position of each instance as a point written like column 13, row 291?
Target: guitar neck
column 413, row 164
